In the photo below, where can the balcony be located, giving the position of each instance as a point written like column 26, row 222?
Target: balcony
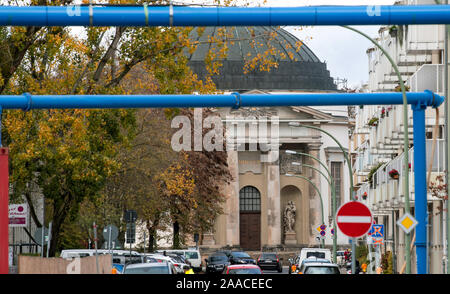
column 386, row 191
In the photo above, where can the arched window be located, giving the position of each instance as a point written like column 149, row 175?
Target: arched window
column 249, row 199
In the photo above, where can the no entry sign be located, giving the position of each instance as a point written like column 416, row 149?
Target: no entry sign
column 354, row 219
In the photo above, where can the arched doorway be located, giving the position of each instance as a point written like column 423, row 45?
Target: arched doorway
column 250, row 218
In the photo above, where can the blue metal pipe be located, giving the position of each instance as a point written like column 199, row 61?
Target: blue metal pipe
column 235, row 100
column 420, row 187
column 138, row 16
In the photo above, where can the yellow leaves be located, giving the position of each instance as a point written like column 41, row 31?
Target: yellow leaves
column 178, row 181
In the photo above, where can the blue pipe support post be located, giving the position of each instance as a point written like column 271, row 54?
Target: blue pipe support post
column 420, row 187
column 143, row 15
column 234, row 100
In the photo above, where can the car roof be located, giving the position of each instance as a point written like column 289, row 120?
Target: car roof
column 324, row 260
column 323, row 264
column 234, row 266
column 140, row 265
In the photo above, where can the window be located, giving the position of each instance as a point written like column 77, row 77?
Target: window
column 249, row 199
column 337, row 177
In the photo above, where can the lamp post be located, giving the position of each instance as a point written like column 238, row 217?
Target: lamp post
column 405, row 140
column 318, row 192
column 349, row 164
column 330, row 181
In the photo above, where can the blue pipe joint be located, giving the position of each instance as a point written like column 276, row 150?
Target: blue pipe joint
column 29, row 99
column 433, row 99
column 238, row 100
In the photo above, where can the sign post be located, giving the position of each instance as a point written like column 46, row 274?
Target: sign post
column 354, row 219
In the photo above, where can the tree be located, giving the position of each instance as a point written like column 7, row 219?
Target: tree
column 69, row 154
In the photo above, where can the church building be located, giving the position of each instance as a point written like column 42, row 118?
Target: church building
column 277, row 198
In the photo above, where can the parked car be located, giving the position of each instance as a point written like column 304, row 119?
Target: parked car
column 192, row 255
column 326, row 268
column 314, row 252
column 270, row 260
column 180, row 267
column 242, row 269
column 161, row 268
column 216, row 263
column 307, row 253
column 340, row 257
column 240, row 257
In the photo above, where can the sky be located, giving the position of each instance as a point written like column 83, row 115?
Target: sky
column 343, row 51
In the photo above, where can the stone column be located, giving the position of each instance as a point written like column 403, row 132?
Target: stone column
column 315, row 210
column 232, row 202
column 273, row 202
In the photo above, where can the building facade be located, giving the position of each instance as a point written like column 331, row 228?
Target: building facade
column 378, row 136
column 257, row 198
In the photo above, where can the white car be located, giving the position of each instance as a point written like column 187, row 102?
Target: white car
column 159, row 258
column 192, row 255
column 160, row 268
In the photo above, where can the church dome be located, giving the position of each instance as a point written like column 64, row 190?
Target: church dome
column 298, row 68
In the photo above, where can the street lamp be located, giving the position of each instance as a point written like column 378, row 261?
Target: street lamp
column 330, row 181
column 318, row 192
column 350, row 173
column 405, row 139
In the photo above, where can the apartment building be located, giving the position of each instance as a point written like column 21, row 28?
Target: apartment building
column 378, row 135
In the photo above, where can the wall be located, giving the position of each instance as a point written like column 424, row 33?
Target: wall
column 86, row 265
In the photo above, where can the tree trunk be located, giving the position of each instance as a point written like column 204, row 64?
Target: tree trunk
column 60, row 212
column 176, row 235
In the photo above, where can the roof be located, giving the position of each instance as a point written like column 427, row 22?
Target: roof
column 235, row 266
column 298, row 67
column 139, row 265
column 244, row 41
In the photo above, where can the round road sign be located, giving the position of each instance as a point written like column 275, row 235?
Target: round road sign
column 354, row 219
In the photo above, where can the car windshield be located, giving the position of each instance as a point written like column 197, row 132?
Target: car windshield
column 218, row 258
column 268, row 256
column 325, row 270
column 148, row 270
column 315, row 254
column 240, row 254
column 191, row 255
column 243, row 271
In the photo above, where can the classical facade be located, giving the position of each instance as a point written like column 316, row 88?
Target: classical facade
column 261, row 191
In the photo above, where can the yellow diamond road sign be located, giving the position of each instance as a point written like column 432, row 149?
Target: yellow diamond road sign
column 407, row 222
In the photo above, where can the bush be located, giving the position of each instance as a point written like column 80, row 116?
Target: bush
column 386, row 263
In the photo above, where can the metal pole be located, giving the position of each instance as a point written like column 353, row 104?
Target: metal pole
column 420, row 187
column 447, row 137
column 49, row 237
column 394, row 259
column 95, row 244
column 317, row 190
column 144, row 16
column 350, row 174
column 333, row 195
column 405, row 141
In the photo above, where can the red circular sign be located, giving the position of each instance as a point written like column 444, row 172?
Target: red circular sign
column 354, row 219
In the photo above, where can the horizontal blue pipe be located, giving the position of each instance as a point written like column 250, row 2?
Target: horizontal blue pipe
column 139, row 16
column 27, row 101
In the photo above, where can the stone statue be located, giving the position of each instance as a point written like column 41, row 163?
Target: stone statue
column 289, row 217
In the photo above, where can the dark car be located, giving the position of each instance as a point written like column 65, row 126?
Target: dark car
column 240, row 257
column 216, row 262
column 270, row 261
